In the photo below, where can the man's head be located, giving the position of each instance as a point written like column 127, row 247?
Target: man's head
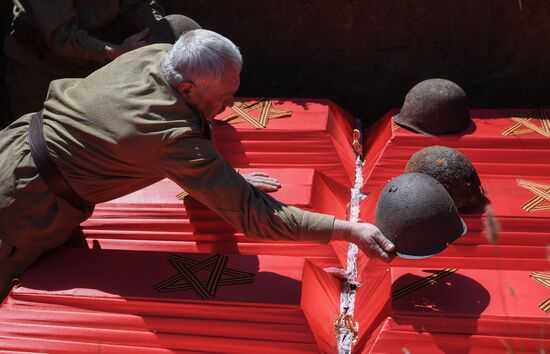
column 204, row 67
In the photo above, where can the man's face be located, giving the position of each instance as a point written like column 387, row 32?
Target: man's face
column 220, row 94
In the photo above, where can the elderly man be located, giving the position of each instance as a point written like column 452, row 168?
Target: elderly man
column 139, row 119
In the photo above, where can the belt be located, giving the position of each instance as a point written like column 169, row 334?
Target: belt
column 48, row 170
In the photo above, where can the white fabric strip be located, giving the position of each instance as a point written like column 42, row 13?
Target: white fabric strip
column 347, row 296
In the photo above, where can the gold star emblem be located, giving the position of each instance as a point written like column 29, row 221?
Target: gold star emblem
column 544, row 279
column 527, row 124
column 242, row 113
column 186, row 277
column 541, row 201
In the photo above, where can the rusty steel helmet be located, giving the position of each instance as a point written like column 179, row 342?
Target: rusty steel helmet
column 416, row 213
column 169, row 28
column 453, row 170
column 435, row 107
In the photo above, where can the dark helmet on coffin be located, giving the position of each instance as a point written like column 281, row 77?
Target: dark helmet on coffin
column 435, row 107
column 416, row 213
column 453, row 170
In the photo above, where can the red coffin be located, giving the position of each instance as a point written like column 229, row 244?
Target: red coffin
column 151, row 273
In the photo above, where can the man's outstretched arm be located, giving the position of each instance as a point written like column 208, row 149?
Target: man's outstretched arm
column 196, row 166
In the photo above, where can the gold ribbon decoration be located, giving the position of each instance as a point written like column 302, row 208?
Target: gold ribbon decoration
column 544, row 279
column 526, row 124
column 422, row 283
column 541, row 200
column 242, row 113
column 186, row 271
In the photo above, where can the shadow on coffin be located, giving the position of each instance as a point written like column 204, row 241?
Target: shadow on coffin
column 108, row 296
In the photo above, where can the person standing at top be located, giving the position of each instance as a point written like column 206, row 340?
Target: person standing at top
column 55, row 39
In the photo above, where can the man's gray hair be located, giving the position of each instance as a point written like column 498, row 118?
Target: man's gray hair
column 200, row 56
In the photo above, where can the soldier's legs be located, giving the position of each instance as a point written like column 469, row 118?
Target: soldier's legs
column 27, row 88
column 32, row 218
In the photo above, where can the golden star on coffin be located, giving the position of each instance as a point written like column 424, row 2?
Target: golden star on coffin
column 541, row 201
column 186, row 278
column 242, row 113
column 527, row 124
column 544, row 279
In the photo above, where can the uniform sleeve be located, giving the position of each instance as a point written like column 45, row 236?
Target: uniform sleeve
column 58, row 22
column 142, row 13
column 196, row 166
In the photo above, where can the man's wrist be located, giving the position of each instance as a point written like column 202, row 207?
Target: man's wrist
column 341, row 230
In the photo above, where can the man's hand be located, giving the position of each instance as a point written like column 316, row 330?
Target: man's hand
column 367, row 237
column 132, row 42
column 262, row 181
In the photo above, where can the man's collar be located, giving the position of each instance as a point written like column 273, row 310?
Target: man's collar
column 205, row 125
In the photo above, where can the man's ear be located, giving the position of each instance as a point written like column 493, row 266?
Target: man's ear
column 186, row 89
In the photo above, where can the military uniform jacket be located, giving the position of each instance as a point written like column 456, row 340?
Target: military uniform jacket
column 68, row 37
column 121, row 129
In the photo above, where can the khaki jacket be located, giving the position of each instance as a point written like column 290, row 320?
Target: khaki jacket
column 123, row 128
